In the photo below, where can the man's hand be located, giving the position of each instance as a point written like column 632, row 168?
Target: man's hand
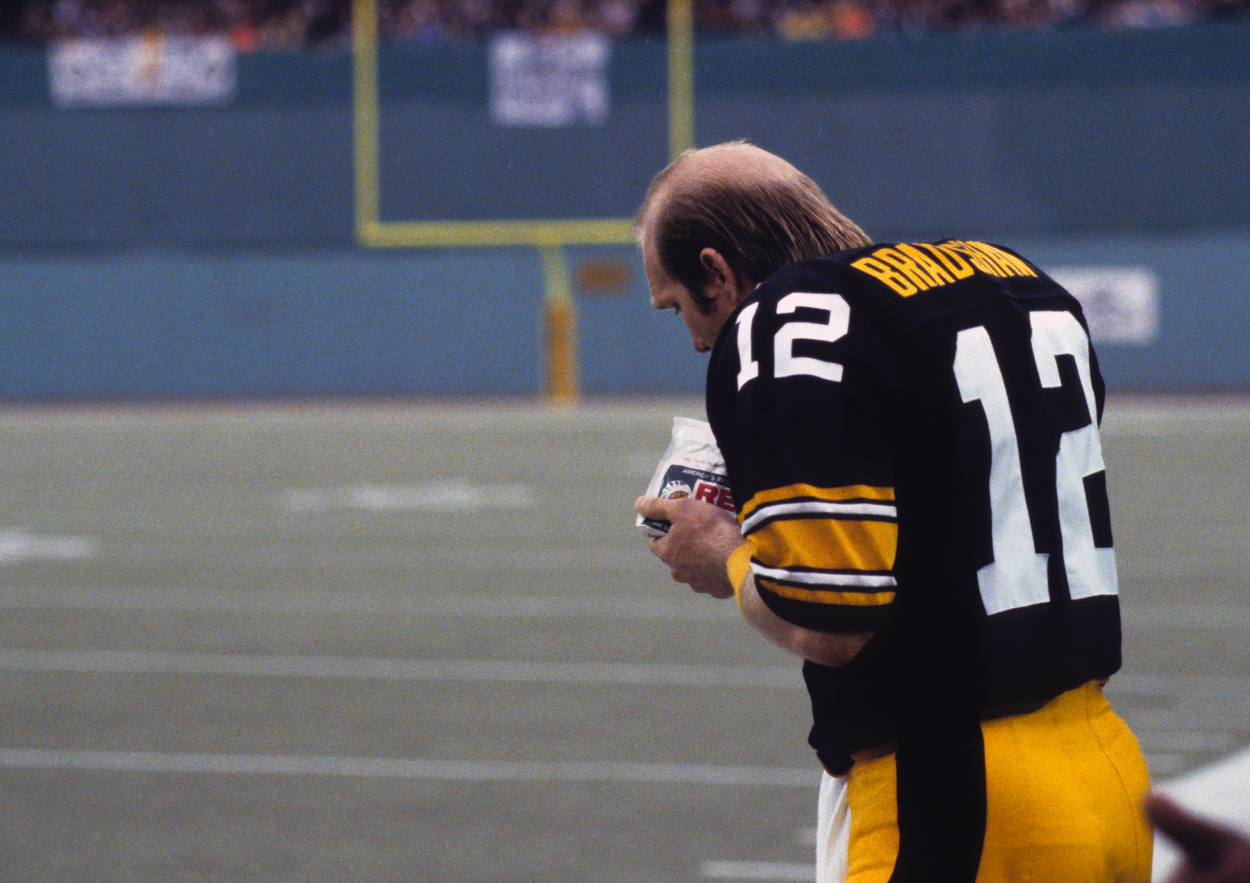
column 698, row 545
column 1212, row 853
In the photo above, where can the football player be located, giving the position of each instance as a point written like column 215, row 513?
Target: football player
column 911, row 437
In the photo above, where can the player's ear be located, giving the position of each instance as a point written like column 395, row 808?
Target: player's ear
column 721, row 279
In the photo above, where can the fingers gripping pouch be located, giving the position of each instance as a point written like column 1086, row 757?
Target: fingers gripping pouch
column 691, row 467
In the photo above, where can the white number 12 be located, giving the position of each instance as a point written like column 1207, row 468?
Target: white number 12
column 1017, row 575
column 785, row 362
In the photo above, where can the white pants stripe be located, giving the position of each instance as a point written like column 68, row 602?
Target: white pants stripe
column 833, row 830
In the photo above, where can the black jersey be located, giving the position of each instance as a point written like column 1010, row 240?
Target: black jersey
column 911, row 436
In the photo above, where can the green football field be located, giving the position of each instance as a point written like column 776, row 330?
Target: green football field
column 391, row 641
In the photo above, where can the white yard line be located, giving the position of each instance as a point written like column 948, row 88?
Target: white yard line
column 652, row 674
column 455, row 495
column 515, row 671
column 1226, row 687
column 19, row 544
column 484, row 606
column 1179, row 615
column 757, row 871
column 408, row 768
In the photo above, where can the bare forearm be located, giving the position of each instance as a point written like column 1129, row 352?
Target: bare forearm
column 705, row 549
column 826, row 648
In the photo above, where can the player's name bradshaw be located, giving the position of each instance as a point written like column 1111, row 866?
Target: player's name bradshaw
column 909, row 268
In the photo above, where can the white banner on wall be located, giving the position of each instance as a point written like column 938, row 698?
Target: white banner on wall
column 549, row 81
column 142, row 70
column 1121, row 304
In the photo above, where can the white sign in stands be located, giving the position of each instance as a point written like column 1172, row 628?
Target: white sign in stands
column 100, row 72
column 1121, row 303
column 549, row 81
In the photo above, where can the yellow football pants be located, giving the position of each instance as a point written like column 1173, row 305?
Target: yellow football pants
column 1064, row 786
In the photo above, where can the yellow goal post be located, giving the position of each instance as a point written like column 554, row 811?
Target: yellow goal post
column 549, row 237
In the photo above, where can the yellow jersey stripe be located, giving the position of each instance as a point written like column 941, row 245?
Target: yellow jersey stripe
column 826, row 544
column 739, row 565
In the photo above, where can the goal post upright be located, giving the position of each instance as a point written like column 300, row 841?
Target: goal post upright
column 680, row 23
column 365, row 140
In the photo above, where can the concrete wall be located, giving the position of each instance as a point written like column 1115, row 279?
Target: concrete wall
column 154, row 322
column 209, row 251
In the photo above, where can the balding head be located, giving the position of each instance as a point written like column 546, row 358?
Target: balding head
column 749, row 205
column 734, row 163
column 725, row 164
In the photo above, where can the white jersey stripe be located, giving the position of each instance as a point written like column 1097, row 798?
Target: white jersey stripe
column 825, row 578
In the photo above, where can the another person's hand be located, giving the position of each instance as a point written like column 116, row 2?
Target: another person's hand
column 698, row 544
column 1211, row 853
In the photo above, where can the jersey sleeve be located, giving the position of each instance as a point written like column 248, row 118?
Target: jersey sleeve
column 802, row 393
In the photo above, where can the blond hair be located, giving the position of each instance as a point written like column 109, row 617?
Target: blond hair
column 760, row 219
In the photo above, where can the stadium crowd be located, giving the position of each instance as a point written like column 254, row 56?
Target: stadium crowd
column 285, row 24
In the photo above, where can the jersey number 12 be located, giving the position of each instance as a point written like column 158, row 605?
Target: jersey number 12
column 1017, row 575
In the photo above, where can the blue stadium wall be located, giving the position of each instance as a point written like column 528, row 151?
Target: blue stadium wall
column 208, row 252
